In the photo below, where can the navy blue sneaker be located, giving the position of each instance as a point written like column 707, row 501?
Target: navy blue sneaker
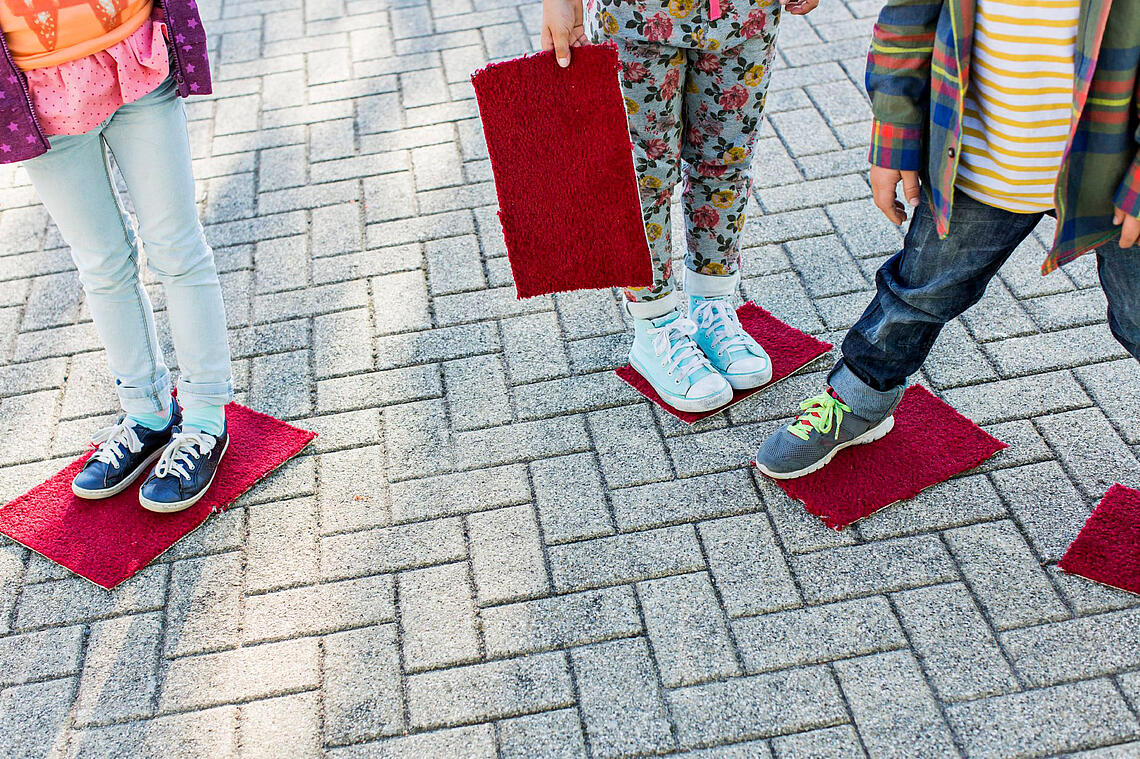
column 125, row 450
column 184, row 471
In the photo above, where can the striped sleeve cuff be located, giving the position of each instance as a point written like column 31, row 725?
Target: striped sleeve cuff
column 1128, row 196
column 896, row 147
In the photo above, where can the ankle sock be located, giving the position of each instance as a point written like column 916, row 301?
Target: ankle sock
column 153, row 421
column 209, row 419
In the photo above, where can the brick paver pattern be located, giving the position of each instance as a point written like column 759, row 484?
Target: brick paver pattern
column 496, row 548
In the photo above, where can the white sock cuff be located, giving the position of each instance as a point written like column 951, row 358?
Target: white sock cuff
column 651, row 309
column 710, row 285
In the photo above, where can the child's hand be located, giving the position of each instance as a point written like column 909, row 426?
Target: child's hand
column 1129, row 227
column 799, row 7
column 884, row 184
column 562, row 28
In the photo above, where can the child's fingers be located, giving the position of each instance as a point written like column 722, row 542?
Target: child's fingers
column 562, row 47
column 545, row 39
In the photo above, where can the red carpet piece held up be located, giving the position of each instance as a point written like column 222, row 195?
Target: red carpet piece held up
column 930, row 443
column 108, row 541
column 1107, row 550
column 789, row 349
column 560, row 153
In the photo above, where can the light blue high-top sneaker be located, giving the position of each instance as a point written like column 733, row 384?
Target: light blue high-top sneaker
column 732, row 351
column 664, row 353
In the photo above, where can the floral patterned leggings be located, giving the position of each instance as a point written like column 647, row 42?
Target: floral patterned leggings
column 694, row 91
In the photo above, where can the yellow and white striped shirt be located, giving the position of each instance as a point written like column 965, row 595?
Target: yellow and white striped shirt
column 1019, row 102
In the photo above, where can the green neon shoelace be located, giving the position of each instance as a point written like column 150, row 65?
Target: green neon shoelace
column 821, row 413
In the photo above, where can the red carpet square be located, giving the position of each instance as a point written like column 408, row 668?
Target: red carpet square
column 108, row 541
column 930, row 443
column 560, row 153
column 789, row 349
column 1107, row 550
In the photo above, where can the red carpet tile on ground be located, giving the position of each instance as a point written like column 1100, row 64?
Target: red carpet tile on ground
column 560, row 153
column 930, row 443
column 789, row 349
column 1107, row 549
column 108, row 541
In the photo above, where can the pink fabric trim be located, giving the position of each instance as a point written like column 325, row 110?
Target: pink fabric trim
column 77, row 96
column 714, row 10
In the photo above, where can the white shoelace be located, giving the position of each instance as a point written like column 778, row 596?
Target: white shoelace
column 677, row 351
column 178, row 458
column 112, row 440
column 721, row 318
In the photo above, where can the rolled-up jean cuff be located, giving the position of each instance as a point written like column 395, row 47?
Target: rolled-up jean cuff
column 192, row 395
column 145, row 400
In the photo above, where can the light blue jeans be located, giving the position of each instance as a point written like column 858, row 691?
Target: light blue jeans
column 149, row 142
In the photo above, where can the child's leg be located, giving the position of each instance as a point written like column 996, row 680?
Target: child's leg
column 149, row 141
column 653, row 77
column 931, row 281
column 1120, row 277
column 928, row 283
column 73, row 180
column 724, row 104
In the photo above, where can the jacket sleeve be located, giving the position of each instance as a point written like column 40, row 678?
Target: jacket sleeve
column 1128, row 195
column 898, row 81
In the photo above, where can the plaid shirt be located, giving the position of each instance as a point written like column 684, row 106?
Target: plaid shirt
column 917, row 74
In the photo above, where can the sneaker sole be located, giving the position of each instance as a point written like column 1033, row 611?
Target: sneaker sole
column 869, row 436
column 748, row 381
column 690, row 405
column 98, row 495
column 171, row 508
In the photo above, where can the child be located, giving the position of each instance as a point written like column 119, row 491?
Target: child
column 1011, row 109
column 80, row 80
column 695, row 75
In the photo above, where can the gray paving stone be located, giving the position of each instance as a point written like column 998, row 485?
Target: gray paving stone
column 573, row 619
column 74, row 599
column 120, row 670
column 872, row 568
column 621, row 700
column 1048, row 508
column 826, row 743
column 242, row 674
column 493, row 690
column 388, row 549
column 1004, row 575
column 1038, row 722
column 210, row 732
column 361, row 693
column 570, row 498
column 817, row 634
column 747, row 565
column 203, row 612
column 625, row 558
column 277, row 726
column 1076, row 648
column 963, row 500
column 629, row 446
column 520, row 441
column 691, row 642
column 533, row 348
column 476, row 391
column 1018, row 398
column 953, row 640
column 1104, row 382
column 894, row 711
column 315, row 609
column 685, row 500
column 556, row 734
column 462, row 492
column 506, row 555
column 1090, row 449
column 759, row 706
column 41, row 655
column 437, row 617
column 477, row 742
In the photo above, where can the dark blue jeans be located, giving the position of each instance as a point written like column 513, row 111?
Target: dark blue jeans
column 931, row 281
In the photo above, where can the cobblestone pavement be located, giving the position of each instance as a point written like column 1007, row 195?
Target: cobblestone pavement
column 495, row 547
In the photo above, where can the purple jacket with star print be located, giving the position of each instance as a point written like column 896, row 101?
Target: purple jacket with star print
column 22, row 138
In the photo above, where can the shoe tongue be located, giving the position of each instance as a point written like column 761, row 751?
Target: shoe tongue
column 835, row 395
column 661, row 321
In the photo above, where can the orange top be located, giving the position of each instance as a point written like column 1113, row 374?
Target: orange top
column 42, row 33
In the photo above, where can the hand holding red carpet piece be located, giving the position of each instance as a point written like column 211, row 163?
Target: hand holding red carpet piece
column 560, row 153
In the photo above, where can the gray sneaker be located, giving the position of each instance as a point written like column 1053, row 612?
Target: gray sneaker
column 827, row 424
